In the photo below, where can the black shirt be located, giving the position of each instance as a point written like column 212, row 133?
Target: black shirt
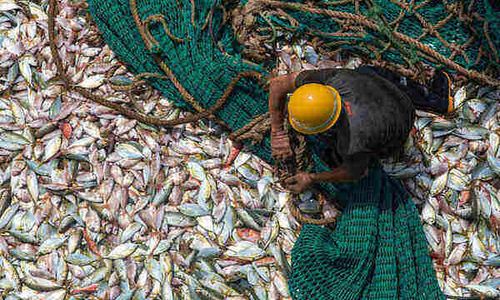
column 376, row 116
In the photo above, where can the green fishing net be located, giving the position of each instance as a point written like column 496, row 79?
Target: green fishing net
column 377, row 250
column 462, row 36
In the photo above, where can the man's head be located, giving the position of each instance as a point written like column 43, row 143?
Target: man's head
column 314, row 108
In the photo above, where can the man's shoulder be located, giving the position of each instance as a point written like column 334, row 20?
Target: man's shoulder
column 330, row 75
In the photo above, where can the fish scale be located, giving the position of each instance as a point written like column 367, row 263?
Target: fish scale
column 45, row 205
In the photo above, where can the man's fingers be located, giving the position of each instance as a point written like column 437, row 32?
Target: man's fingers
column 291, row 180
column 280, row 138
column 281, row 148
column 278, row 145
column 281, row 152
column 281, row 143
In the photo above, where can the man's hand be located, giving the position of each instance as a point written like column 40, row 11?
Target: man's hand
column 299, row 182
column 280, row 145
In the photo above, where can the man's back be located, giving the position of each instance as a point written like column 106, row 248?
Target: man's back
column 377, row 117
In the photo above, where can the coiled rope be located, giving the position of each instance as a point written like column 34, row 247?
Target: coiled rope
column 254, row 130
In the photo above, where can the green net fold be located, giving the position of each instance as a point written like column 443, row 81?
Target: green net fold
column 459, row 35
column 378, row 250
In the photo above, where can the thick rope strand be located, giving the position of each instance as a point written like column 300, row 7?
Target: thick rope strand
column 369, row 24
column 204, row 113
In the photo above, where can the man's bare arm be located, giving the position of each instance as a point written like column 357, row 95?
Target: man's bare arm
column 279, row 87
column 353, row 169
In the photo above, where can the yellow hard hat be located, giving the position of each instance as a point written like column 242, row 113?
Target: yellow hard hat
column 314, row 108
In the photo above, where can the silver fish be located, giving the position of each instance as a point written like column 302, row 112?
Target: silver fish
column 122, row 251
column 50, row 245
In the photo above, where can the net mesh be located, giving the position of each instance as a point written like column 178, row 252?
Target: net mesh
column 461, row 36
column 378, row 249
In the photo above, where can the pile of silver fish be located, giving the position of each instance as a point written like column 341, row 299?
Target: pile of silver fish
column 97, row 206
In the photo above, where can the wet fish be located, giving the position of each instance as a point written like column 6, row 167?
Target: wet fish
column 95, row 205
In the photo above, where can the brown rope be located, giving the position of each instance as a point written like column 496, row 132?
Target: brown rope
column 52, row 43
column 126, row 111
column 297, row 214
column 397, row 21
column 100, row 100
column 433, row 31
column 254, row 129
column 356, row 5
column 161, row 122
column 410, row 73
column 300, row 152
column 137, row 81
column 301, row 163
column 256, row 135
column 138, row 22
column 321, row 11
column 184, row 93
column 490, row 42
column 369, row 24
column 428, row 50
column 205, row 23
column 159, row 18
column 338, row 2
column 193, row 13
column 443, row 21
column 293, row 22
column 421, row 4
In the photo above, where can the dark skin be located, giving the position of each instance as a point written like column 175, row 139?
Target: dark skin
column 353, row 167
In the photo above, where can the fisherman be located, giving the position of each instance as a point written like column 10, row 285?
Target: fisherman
column 362, row 115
